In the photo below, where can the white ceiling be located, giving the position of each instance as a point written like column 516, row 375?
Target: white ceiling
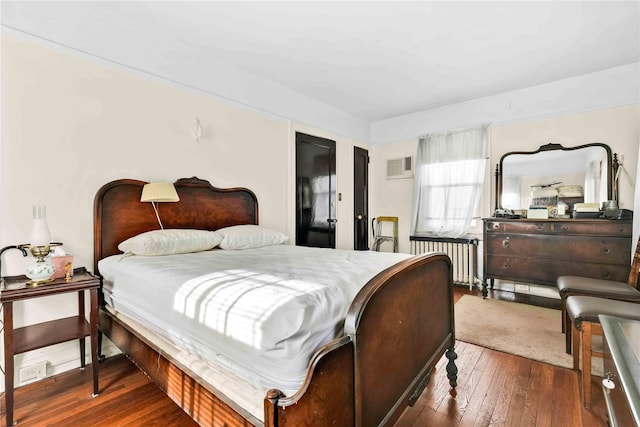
column 372, row 60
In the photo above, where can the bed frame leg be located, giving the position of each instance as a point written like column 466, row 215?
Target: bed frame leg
column 452, row 370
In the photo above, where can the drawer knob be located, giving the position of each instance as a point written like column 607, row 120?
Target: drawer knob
column 565, row 228
column 606, row 251
column 606, row 275
column 506, row 265
column 539, row 227
column 505, row 242
column 608, row 382
column 496, row 225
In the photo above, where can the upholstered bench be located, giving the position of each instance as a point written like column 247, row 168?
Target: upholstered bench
column 575, row 285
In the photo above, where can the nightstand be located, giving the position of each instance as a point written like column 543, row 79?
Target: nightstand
column 20, row 340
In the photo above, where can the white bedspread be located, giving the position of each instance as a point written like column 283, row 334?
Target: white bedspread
column 263, row 312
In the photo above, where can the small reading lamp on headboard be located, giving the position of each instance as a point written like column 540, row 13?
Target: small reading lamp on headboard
column 159, row 192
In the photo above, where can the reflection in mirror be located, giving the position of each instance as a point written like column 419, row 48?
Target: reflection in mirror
column 555, row 175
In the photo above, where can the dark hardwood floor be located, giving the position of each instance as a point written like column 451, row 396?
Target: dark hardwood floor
column 499, row 389
column 494, row 389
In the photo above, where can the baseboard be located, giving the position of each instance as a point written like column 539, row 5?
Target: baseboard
column 527, row 288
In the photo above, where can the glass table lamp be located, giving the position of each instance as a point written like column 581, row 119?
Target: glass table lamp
column 40, row 247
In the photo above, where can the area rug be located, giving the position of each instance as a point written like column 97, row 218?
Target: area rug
column 514, row 328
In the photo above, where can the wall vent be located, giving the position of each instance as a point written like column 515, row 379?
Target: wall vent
column 400, row 168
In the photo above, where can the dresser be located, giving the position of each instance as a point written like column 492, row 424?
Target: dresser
column 537, row 251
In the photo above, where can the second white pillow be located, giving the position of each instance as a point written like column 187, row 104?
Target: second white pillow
column 250, row 236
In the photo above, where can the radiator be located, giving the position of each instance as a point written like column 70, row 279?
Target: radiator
column 462, row 251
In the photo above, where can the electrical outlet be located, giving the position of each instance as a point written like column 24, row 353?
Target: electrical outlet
column 33, row 372
column 521, row 288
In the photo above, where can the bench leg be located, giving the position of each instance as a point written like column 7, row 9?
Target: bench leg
column 568, row 333
column 563, row 309
column 586, row 363
column 576, row 348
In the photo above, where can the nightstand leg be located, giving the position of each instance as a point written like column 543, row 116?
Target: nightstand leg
column 8, row 360
column 82, row 350
column 82, row 340
column 93, row 321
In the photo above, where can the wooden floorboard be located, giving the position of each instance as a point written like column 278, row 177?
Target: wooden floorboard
column 494, row 389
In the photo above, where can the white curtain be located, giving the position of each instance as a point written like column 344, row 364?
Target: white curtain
column 592, row 181
column 449, row 176
column 636, row 208
column 511, row 194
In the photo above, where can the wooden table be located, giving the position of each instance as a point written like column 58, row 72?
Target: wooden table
column 31, row 337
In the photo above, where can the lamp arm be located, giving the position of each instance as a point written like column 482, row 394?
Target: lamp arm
column 155, row 209
column 21, row 248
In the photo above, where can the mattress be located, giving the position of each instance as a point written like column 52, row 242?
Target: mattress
column 257, row 313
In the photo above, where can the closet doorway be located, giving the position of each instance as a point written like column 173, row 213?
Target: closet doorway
column 315, row 191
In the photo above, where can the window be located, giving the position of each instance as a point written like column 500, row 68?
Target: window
column 449, row 177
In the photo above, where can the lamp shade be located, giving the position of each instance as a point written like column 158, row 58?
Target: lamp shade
column 40, row 234
column 159, row 192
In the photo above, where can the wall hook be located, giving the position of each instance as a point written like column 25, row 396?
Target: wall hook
column 196, row 129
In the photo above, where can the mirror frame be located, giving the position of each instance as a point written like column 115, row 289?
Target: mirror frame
column 612, row 167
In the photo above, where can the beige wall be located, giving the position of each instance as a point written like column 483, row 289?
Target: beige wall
column 82, row 124
column 391, row 197
column 71, row 124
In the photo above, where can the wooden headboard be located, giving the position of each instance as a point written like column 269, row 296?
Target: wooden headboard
column 118, row 213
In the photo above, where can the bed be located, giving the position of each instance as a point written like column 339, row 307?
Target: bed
column 396, row 328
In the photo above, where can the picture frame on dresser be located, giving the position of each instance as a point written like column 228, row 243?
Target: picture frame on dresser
column 537, row 250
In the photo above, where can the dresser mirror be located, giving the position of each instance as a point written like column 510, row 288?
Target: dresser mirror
column 552, row 174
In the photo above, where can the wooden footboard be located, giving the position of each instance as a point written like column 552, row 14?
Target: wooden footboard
column 397, row 329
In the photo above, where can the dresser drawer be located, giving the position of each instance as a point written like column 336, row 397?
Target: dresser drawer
column 526, row 227
column 546, row 271
column 605, row 250
column 568, row 227
column 592, row 228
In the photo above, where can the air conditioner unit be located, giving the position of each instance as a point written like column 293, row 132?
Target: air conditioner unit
column 400, row 168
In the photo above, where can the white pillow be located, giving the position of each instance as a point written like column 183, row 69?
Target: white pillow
column 250, row 236
column 172, row 241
